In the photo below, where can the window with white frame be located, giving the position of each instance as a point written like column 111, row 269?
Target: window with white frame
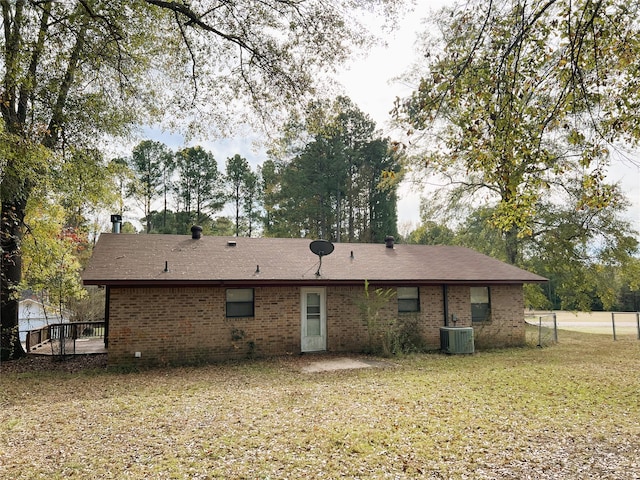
column 239, row 302
column 408, row 299
column 480, row 304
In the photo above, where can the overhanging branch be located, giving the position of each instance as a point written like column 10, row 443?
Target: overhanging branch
column 196, row 19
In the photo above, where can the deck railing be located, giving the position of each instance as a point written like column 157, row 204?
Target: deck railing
column 64, row 335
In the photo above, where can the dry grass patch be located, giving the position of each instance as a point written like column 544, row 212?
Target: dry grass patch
column 568, row 411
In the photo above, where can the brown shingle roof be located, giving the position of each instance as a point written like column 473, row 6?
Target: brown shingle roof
column 120, row 259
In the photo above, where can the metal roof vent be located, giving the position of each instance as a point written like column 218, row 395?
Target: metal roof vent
column 389, row 241
column 196, row 232
column 116, row 223
column 231, row 243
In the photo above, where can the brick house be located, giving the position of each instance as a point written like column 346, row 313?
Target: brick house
column 182, row 299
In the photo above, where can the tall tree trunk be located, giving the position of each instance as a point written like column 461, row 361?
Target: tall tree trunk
column 147, row 208
column 14, row 207
column 11, row 234
column 164, row 212
column 237, row 210
column 511, row 245
column 338, row 216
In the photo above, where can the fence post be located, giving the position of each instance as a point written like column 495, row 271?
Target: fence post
column 540, row 331
column 555, row 328
column 613, row 324
column 638, row 323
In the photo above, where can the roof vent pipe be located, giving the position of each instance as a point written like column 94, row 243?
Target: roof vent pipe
column 196, row 232
column 388, row 241
column 116, row 223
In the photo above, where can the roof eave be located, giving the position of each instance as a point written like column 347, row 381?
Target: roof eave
column 304, row 282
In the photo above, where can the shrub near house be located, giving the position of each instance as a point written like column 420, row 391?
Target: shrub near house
column 185, row 299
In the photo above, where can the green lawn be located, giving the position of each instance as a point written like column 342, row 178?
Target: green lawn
column 567, row 411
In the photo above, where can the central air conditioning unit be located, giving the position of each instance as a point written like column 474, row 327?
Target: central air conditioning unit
column 456, row 340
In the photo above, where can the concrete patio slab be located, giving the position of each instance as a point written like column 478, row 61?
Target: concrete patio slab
column 342, row 363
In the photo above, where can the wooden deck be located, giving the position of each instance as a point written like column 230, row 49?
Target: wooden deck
column 83, row 346
column 68, row 338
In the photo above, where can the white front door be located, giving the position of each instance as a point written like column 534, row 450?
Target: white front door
column 314, row 320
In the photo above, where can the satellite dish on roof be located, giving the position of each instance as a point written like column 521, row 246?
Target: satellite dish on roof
column 321, row 248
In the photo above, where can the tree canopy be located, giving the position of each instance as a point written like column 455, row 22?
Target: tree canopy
column 518, row 100
column 151, row 163
column 243, row 192
column 334, row 177
column 520, row 107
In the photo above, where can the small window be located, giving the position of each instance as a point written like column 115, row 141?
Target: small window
column 480, row 304
column 240, row 302
column 408, row 299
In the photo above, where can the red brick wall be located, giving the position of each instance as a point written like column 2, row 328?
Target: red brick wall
column 346, row 328
column 506, row 324
column 188, row 325
column 506, row 327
